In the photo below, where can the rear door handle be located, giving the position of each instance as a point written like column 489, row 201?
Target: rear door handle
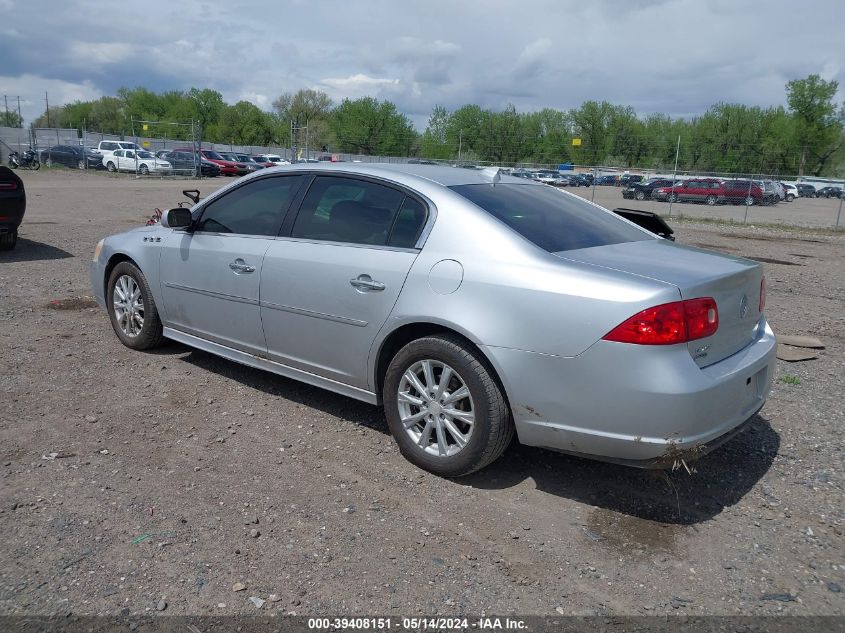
column 365, row 283
column 240, row 266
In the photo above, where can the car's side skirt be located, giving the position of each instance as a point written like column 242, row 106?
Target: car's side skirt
column 271, row 366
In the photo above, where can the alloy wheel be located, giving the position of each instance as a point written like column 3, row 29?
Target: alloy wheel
column 436, row 408
column 128, row 306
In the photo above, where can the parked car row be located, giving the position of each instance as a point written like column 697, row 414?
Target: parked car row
column 555, row 178
column 720, row 191
column 116, row 156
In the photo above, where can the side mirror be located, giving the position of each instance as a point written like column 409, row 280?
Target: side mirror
column 177, row 218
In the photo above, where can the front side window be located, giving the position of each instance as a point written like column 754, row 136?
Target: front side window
column 359, row 212
column 553, row 220
column 255, row 208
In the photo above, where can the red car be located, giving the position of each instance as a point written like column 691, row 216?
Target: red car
column 227, row 167
column 711, row 191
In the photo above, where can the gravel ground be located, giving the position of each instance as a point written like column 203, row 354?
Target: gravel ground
column 141, row 481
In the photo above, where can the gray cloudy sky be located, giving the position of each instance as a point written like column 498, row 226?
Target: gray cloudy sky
column 676, row 57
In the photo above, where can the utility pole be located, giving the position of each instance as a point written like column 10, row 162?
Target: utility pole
column 20, row 118
column 47, row 100
column 6, row 101
column 460, row 143
column 674, row 175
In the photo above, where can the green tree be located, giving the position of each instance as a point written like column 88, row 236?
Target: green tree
column 435, row 142
column 819, row 122
column 372, row 127
column 245, row 124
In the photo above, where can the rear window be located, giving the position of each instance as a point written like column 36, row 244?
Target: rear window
column 553, row 220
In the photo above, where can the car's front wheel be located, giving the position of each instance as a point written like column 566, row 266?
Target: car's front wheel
column 444, row 408
column 132, row 309
column 111, row 167
column 790, row 198
column 711, row 200
column 640, row 195
column 144, row 170
column 8, row 240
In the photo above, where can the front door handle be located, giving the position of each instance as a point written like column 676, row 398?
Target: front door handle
column 365, row 283
column 240, row 266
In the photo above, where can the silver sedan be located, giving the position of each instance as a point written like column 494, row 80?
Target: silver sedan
column 468, row 304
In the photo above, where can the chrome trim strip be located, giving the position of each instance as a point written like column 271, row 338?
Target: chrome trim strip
column 271, row 366
column 316, row 315
column 210, row 293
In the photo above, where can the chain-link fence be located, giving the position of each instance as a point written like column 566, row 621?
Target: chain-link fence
column 175, row 150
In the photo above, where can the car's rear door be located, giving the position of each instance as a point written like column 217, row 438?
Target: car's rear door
column 329, row 283
column 210, row 277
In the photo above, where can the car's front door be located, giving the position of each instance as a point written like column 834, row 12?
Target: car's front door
column 329, row 283
column 210, row 276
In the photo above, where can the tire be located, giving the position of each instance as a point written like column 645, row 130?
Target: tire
column 672, row 197
column 711, row 200
column 36, row 165
column 492, row 427
column 80, row 164
column 8, row 240
column 790, row 198
column 110, row 166
column 144, row 335
column 640, row 195
column 144, row 170
column 749, row 201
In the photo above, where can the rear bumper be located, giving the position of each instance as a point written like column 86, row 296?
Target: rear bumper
column 637, row 405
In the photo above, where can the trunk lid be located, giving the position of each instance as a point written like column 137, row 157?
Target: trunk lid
column 734, row 282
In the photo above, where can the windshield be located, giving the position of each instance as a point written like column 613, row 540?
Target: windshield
column 145, row 155
column 213, row 155
column 553, row 220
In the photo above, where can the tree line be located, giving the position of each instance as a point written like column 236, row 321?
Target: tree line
column 806, row 137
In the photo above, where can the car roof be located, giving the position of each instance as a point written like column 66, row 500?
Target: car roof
column 403, row 172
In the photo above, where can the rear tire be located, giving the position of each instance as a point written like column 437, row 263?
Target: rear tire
column 8, row 240
column 640, row 195
column 491, row 429
column 80, row 164
column 749, row 201
column 790, row 198
column 711, row 200
column 133, row 312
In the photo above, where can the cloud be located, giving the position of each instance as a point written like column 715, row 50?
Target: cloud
column 554, row 54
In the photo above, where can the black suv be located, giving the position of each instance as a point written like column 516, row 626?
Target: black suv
column 185, row 160
column 643, row 190
column 829, row 192
column 806, row 190
column 12, row 207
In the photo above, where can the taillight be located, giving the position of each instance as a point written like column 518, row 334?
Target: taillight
column 8, row 186
column 669, row 324
column 762, row 294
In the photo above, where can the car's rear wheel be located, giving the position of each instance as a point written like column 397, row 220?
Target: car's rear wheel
column 640, row 195
column 749, row 200
column 8, row 240
column 111, row 167
column 790, row 198
column 80, row 164
column 444, row 408
column 132, row 309
column 711, row 200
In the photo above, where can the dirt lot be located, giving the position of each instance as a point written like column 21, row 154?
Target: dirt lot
column 179, row 474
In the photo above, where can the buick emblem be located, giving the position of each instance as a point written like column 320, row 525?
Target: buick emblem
column 743, row 307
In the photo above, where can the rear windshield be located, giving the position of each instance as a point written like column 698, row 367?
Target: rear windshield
column 553, row 220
